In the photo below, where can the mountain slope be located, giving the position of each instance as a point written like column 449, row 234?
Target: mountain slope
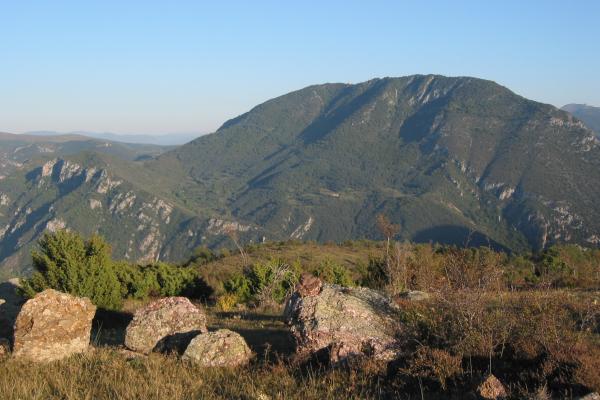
column 83, row 193
column 588, row 114
column 441, row 156
column 453, row 160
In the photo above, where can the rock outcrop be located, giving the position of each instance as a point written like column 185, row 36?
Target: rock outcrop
column 165, row 325
column 346, row 322
column 222, row 348
column 492, row 389
column 53, row 325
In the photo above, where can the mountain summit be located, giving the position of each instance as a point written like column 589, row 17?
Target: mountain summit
column 449, row 159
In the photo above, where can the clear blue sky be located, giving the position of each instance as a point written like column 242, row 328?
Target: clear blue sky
column 178, row 66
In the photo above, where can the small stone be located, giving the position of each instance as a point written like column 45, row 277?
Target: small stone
column 492, row 389
column 222, row 348
column 414, row 295
column 165, row 325
column 53, row 325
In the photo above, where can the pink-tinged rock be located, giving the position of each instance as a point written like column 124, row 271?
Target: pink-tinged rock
column 165, row 325
column 53, row 325
column 345, row 322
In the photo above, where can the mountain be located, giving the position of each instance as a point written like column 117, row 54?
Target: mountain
column 15, row 150
column 588, row 114
column 453, row 160
column 171, row 139
column 449, row 159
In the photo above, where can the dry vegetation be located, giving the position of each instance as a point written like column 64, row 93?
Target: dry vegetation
column 533, row 321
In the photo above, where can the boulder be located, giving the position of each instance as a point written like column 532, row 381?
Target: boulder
column 165, row 325
column 53, row 325
column 491, row 388
column 222, row 348
column 342, row 322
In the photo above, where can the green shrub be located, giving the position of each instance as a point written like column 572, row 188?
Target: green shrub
column 161, row 279
column 331, row 272
column 202, row 255
column 239, row 285
column 66, row 262
column 263, row 282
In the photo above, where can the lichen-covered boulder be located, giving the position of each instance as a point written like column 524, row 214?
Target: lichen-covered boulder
column 165, row 325
column 222, row 348
column 53, row 325
column 346, row 322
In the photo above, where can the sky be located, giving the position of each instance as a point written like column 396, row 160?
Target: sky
column 156, row 67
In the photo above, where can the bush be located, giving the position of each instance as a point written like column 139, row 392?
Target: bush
column 202, row 255
column 227, row 302
column 161, row 279
column 66, row 262
column 263, row 282
column 331, row 272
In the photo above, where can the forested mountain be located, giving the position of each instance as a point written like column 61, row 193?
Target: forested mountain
column 454, row 160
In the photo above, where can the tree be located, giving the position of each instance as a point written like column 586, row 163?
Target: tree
column 66, row 262
column 388, row 230
column 232, row 233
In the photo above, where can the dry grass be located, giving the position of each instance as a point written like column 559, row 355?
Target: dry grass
column 105, row 374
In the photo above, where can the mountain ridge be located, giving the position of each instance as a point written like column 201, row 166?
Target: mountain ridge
column 451, row 160
column 590, row 115
column 172, row 139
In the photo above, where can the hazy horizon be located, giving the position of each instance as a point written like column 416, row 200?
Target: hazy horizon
column 153, row 68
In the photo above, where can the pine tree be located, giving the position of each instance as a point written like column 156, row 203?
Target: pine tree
column 66, row 262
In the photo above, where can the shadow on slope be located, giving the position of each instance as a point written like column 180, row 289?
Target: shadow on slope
column 9, row 309
column 457, row 236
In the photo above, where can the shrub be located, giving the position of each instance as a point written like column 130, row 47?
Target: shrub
column 202, row 255
column 227, row 302
column 161, row 279
column 436, row 364
column 65, row 261
column 331, row 272
column 263, row 282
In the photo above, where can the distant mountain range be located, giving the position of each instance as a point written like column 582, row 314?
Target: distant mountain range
column 451, row 160
column 17, row 150
column 160, row 140
column 588, row 114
